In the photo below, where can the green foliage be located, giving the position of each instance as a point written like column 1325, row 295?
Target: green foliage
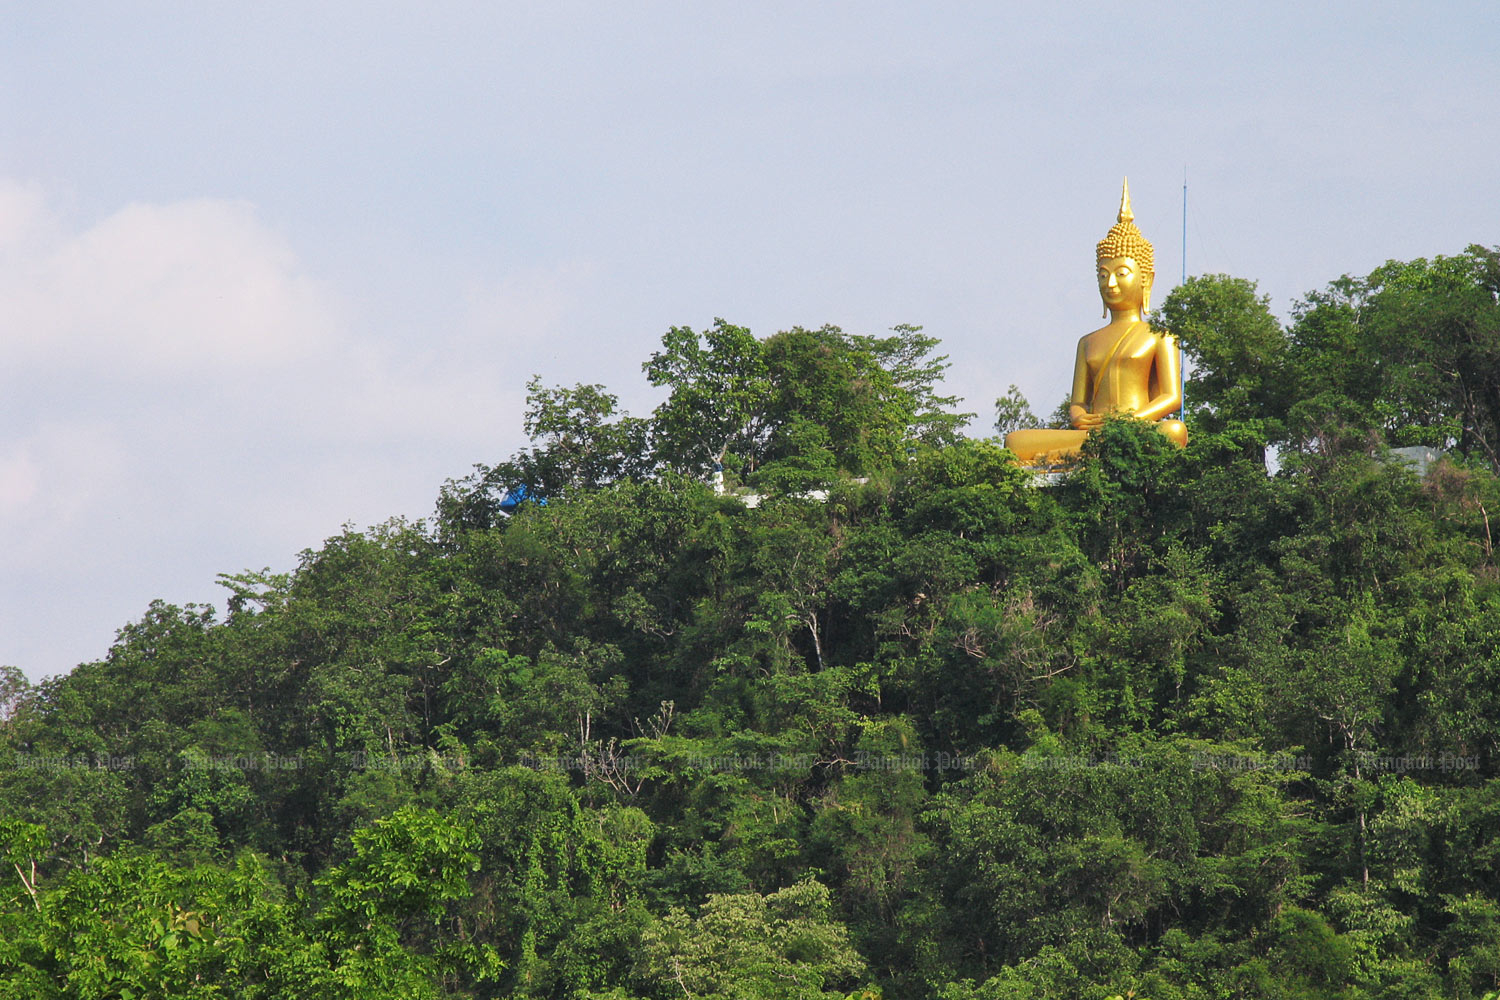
column 1013, row 412
column 1408, row 355
column 135, row 926
column 1411, row 353
column 782, row 946
column 1173, row 727
column 560, row 892
column 579, row 443
column 800, row 406
column 1238, row 352
column 720, row 384
column 581, row 447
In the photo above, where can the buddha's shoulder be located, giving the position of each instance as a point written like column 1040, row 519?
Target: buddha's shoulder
column 1105, row 334
column 1110, row 333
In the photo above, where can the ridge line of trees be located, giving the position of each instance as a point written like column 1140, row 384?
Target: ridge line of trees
column 1175, row 728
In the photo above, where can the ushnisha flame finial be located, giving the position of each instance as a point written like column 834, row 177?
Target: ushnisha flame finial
column 1126, row 215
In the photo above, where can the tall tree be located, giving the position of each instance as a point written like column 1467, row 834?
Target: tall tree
column 719, row 389
column 1238, row 352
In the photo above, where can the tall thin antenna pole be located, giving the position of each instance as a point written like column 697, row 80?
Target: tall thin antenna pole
column 1182, row 368
column 1184, row 223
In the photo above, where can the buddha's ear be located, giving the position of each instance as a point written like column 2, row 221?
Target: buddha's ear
column 1146, row 280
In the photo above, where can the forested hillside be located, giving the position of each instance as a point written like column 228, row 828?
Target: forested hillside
column 1172, row 728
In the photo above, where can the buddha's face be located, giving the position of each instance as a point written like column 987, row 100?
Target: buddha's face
column 1121, row 283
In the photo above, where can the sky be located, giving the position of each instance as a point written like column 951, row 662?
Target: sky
column 269, row 269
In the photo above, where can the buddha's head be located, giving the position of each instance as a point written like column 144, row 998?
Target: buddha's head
column 1125, row 263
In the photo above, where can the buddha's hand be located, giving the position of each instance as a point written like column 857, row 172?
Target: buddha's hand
column 1083, row 420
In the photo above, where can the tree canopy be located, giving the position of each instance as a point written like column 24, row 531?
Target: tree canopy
column 880, row 717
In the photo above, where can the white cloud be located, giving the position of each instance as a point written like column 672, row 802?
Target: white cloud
column 155, row 290
column 185, row 399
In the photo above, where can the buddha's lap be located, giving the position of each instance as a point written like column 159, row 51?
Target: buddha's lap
column 1030, row 442
column 1044, row 439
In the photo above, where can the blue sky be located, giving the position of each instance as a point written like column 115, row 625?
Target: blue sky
column 269, row 268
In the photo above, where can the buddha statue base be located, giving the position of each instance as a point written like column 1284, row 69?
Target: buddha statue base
column 1047, row 448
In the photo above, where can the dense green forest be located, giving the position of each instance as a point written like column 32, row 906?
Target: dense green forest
column 1173, row 728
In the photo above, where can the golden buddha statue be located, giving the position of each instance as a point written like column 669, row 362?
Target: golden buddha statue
column 1124, row 368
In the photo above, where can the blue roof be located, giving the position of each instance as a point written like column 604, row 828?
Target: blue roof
column 519, row 494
